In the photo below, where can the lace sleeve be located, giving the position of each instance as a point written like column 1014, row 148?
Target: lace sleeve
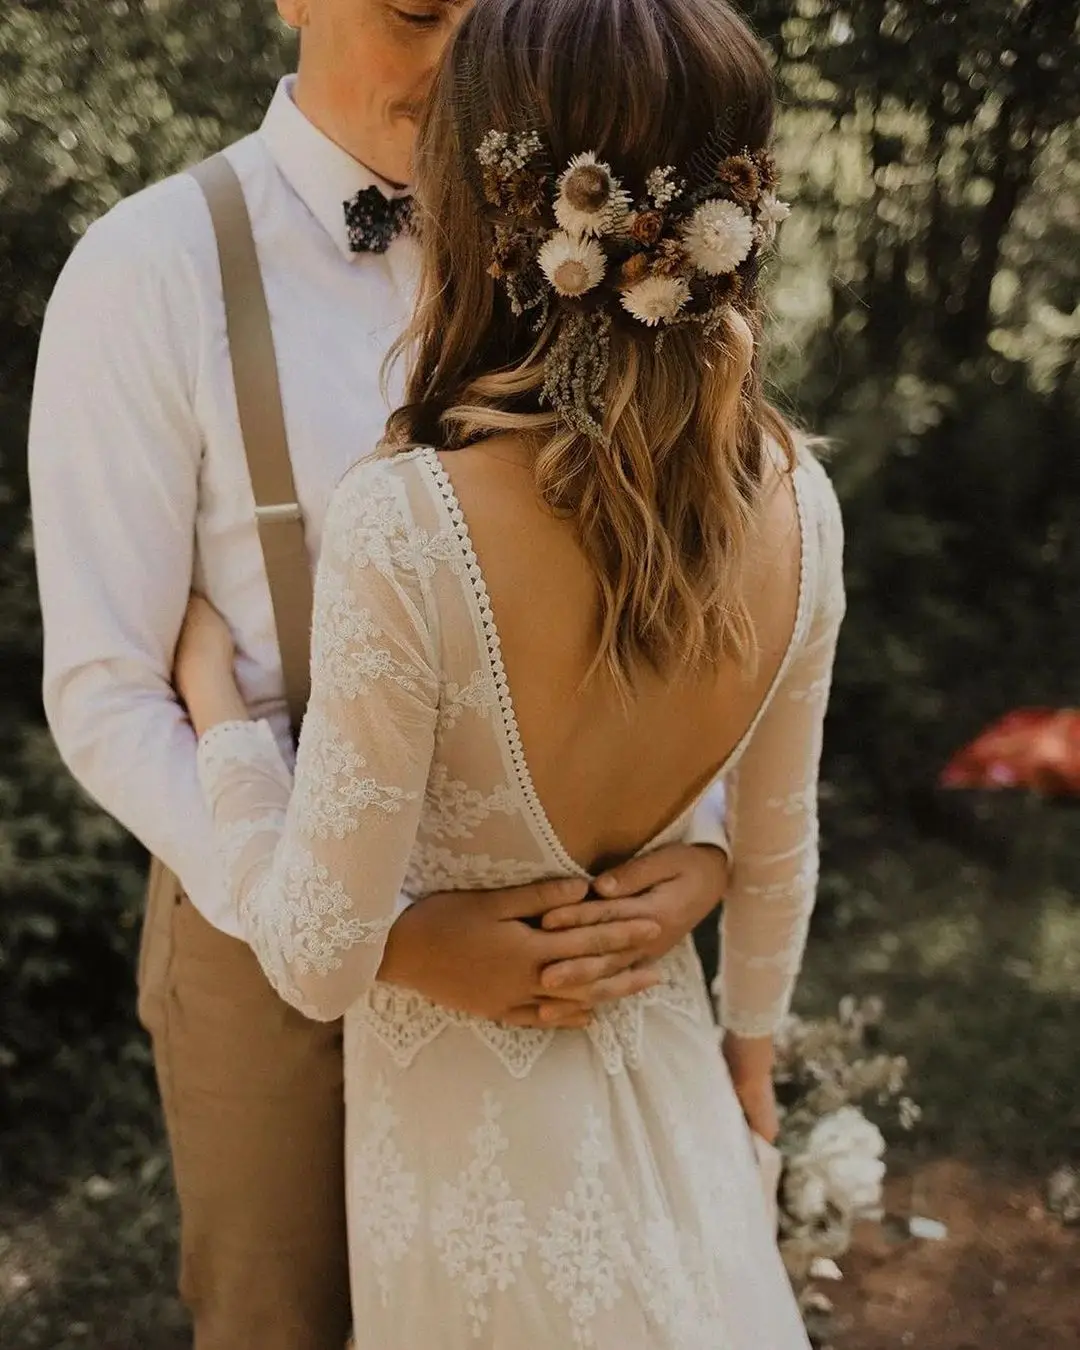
column 772, row 811
column 315, row 875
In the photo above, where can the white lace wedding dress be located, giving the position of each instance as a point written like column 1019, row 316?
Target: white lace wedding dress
column 516, row 1189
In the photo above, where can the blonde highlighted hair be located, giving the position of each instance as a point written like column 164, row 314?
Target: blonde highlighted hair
column 663, row 504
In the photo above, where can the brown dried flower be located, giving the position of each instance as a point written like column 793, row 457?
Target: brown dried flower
column 512, row 252
column 646, row 227
column 767, row 170
column 739, row 174
column 724, row 289
column 671, row 260
column 493, row 185
column 634, row 269
column 525, row 193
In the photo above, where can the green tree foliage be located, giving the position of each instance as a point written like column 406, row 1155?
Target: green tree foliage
column 927, row 320
column 932, row 293
column 97, row 99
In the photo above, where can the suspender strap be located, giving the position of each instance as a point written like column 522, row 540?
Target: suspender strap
column 262, row 426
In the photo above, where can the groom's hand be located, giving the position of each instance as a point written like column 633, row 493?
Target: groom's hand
column 675, row 887
column 474, row 952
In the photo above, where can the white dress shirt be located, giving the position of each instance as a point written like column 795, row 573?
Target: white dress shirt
column 138, row 475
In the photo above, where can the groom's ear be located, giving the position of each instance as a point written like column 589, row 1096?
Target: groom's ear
column 293, row 12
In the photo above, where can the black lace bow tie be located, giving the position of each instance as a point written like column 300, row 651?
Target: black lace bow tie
column 374, row 222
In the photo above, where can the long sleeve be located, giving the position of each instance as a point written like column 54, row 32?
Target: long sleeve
column 315, row 866
column 772, row 806
column 114, row 462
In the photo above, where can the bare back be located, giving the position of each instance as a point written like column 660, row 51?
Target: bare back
column 611, row 775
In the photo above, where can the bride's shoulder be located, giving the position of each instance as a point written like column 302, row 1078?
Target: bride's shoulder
column 823, row 519
column 802, row 505
column 382, row 496
column 380, row 478
column 811, row 456
column 805, row 468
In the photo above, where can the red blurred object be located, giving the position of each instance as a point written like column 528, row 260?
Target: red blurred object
column 1033, row 748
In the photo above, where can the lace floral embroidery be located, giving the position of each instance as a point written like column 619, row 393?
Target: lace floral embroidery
column 453, row 810
column 479, row 1227
column 816, row 692
column 401, row 1020
column 314, row 930
column 387, row 1213
column 404, row 1022
column 334, row 790
column 345, row 646
column 433, row 867
column 516, row 1048
column 365, row 526
column 477, row 695
column 796, row 803
column 675, row 1287
column 583, row 1247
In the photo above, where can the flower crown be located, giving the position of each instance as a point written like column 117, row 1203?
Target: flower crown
column 675, row 254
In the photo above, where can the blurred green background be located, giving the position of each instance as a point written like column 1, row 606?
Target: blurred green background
column 927, row 318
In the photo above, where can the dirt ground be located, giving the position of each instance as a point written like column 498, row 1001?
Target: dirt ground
column 1007, row 1277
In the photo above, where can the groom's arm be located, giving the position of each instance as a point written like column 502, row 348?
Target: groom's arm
column 114, row 461
column 473, row 951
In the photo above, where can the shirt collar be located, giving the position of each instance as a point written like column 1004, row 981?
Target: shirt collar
column 321, row 173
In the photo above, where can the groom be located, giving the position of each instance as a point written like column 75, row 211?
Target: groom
column 140, row 489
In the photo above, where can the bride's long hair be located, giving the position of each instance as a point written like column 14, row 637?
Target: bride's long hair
column 664, row 502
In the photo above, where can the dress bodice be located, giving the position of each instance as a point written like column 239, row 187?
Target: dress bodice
column 411, row 774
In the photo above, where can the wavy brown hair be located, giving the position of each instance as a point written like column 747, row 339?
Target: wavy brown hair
column 663, row 505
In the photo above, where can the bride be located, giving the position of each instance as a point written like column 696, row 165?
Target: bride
column 590, row 570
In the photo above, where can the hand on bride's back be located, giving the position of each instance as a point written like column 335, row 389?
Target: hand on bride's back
column 204, row 653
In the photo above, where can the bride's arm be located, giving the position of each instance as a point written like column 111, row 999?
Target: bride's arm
column 773, row 822
column 315, row 866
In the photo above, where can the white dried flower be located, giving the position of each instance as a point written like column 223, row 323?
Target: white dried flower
column 572, row 264
column 662, row 186
column 499, row 150
column 840, row 1166
column 491, row 147
column 772, row 213
column 589, row 199
column 656, row 299
column 718, row 237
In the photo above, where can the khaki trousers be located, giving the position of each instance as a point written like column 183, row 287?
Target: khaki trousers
column 253, row 1100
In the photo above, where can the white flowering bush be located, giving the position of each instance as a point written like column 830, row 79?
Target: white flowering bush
column 834, row 1155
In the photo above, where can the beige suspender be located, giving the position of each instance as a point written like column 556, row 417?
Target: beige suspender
column 262, row 425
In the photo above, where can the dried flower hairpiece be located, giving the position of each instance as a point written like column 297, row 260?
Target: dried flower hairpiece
column 680, row 253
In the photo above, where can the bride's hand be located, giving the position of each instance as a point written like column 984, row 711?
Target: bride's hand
column 750, row 1062
column 203, row 667
column 757, row 1097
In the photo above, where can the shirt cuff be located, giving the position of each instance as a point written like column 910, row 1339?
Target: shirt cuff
column 708, row 824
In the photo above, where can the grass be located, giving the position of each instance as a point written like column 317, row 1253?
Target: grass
column 979, row 966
